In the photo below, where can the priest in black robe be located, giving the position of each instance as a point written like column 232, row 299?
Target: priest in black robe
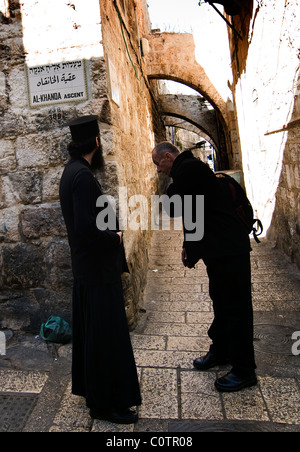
column 103, row 365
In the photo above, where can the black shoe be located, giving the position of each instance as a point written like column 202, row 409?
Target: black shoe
column 234, row 383
column 208, row 362
column 128, row 416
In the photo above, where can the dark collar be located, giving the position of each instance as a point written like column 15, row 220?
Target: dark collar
column 181, row 158
column 82, row 161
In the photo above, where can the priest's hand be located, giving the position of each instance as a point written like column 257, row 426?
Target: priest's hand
column 120, row 234
column 184, row 258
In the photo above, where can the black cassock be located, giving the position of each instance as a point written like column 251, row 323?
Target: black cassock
column 103, row 367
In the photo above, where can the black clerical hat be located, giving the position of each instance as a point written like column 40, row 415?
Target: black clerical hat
column 84, row 127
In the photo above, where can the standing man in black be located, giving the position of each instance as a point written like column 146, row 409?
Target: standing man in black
column 103, row 367
column 225, row 250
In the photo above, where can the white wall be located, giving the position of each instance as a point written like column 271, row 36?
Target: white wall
column 265, row 99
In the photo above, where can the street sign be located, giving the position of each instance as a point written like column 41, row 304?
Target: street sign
column 52, row 84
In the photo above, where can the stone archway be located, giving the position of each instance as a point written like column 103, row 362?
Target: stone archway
column 172, row 57
column 194, row 110
column 180, row 122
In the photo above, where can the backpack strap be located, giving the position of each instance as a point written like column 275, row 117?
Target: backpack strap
column 257, row 231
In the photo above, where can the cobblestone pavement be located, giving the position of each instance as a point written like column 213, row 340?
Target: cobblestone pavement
column 175, row 316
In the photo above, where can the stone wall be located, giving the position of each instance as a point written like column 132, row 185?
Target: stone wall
column 285, row 226
column 36, row 277
column 265, row 89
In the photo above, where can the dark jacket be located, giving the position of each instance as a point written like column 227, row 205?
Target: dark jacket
column 97, row 256
column 224, row 235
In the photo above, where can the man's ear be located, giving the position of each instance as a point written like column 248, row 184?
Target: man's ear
column 169, row 156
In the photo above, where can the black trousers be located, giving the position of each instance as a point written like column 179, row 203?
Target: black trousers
column 232, row 329
column 103, row 366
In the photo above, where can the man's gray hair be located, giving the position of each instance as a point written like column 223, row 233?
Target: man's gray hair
column 166, row 146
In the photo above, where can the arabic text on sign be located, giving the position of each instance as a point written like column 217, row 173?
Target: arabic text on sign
column 51, row 80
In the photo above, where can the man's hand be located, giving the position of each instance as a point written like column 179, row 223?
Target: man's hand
column 120, row 234
column 184, row 258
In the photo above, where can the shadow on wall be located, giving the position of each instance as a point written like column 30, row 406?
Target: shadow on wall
column 285, row 225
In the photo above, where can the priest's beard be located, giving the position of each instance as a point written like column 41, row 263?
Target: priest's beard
column 97, row 163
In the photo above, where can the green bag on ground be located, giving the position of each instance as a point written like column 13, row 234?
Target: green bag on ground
column 56, row 330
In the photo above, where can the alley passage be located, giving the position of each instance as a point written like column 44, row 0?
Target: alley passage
column 173, row 331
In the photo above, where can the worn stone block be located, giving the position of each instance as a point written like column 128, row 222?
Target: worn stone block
column 246, row 405
column 42, row 221
column 27, row 186
column 3, row 93
column 283, row 399
column 31, row 152
column 198, row 397
column 5, row 53
column 50, row 301
column 9, row 223
column 22, row 382
column 17, row 309
column 11, row 126
column 7, row 156
column 50, row 184
column 18, row 97
column 58, row 265
column 160, row 394
column 23, row 266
